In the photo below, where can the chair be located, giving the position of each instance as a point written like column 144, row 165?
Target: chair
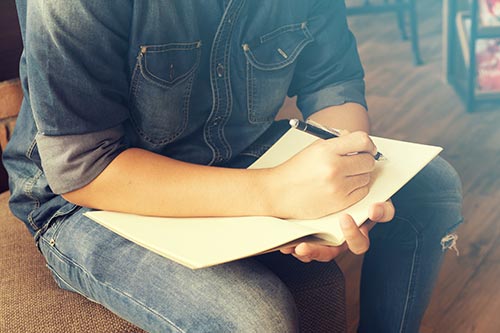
column 30, row 300
column 401, row 8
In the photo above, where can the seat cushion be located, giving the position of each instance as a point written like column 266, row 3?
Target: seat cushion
column 30, row 300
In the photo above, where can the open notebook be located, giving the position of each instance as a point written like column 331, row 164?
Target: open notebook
column 203, row 242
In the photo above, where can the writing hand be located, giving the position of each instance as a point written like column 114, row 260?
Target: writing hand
column 324, row 178
column 357, row 239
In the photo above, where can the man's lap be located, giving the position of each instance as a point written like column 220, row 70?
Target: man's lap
column 154, row 292
column 148, row 289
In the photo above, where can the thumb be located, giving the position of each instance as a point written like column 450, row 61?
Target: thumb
column 357, row 241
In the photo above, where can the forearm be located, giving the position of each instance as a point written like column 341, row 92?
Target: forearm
column 141, row 182
column 349, row 116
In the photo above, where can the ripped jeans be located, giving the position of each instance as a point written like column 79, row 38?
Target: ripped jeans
column 156, row 294
column 402, row 265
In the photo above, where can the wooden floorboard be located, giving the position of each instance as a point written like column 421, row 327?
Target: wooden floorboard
column 415, row 104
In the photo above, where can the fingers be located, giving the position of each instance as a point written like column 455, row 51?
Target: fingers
column 382, row 211
column 366, row 227
column 287, row 250
column 357, row 241
column 361, row 163
column 307, row 252
column 356, row 142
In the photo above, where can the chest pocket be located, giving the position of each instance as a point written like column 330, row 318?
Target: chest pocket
column 161, row 89
column 270, row 65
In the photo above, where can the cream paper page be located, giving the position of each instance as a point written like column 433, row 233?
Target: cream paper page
column 404, row 161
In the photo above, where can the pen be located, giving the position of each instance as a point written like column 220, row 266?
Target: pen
column 322, row 132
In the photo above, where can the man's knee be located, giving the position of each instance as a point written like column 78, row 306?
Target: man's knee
column 433, row 199
column 438, row 180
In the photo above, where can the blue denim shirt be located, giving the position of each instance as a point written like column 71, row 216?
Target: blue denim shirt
column 198, row 81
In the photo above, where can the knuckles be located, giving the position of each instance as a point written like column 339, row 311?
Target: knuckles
column 364, row 139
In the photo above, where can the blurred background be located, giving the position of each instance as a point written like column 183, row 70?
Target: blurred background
column 429, row 103
column 421, row 87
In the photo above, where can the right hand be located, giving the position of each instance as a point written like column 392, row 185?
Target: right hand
column 325, row 177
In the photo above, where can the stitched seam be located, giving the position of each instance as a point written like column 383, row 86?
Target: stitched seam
column 164, row 83
column 134, row 79
column 284, row 63
column 208, row 135
column 28, row 190
column 186, row 97
column 279, row 31
column 410, row 281
column 227, row 81
column 249, row 91
column 187, row 100
column 53, row 220
column 31, row 148
column 172, row 46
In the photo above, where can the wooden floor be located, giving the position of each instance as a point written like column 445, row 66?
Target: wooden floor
column 415, row 104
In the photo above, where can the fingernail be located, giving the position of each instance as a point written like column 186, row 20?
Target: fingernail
column 378, row 212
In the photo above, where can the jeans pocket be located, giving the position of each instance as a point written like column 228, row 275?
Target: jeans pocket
column 160, row 90
column 55, row 246
column 270, row 63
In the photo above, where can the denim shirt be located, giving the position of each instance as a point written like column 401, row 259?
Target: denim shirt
column 198, row 81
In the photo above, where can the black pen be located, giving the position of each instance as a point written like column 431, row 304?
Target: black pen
column 322, row 132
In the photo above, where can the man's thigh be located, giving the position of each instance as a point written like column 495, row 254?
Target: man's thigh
column 160, row 295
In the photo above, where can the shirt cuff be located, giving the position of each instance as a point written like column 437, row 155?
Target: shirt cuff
column 338, row 94
column 72, row 161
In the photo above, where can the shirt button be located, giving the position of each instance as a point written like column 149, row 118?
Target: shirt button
column 220, row 70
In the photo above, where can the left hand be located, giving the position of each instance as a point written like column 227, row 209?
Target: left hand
column 357, row 240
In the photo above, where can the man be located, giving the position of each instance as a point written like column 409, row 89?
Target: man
column 155, row 107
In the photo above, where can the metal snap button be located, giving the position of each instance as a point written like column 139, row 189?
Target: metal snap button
column 220, row 70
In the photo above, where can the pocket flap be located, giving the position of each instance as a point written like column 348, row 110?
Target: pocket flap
column 170, row 63
column 278, row 48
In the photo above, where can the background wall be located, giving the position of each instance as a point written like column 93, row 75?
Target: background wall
column 10, row 51
column 10, row 40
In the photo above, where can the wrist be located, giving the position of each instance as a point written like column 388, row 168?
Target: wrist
column 268, row 191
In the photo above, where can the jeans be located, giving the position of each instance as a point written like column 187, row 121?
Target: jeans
column 159, row 295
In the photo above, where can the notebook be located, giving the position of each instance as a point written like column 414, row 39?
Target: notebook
column 204, row 242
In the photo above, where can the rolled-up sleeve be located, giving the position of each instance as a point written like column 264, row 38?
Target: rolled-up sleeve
column 75, row 61
column 329, row 71
column 72, row 161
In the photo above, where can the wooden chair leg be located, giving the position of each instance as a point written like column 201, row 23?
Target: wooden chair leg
column 417, row 60
column 401, row 20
